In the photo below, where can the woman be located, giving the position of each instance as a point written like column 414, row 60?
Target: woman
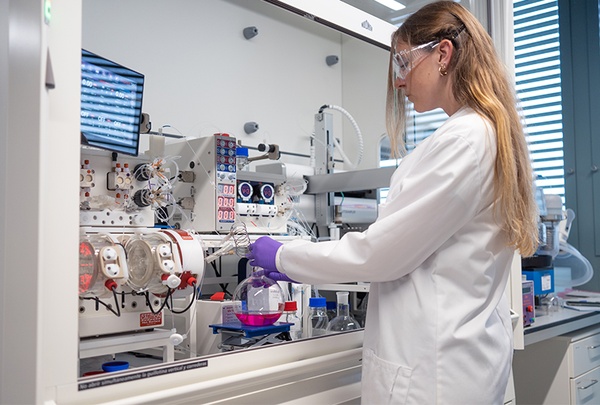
column 460, row 204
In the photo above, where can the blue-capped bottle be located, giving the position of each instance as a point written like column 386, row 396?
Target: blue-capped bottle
column 318, row 321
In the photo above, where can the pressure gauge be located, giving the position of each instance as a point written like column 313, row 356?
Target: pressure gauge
column 245, row 191
column 267, row 192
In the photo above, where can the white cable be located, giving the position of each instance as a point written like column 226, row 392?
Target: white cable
column 237, row 240
column 295, row 187
column 344, row 157
column 297, row 223
column 358, row 136
column 225, row 249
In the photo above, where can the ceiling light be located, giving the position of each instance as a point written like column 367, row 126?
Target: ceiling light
column 393, row 4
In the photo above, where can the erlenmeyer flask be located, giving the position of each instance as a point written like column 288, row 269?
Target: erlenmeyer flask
column 343, row 321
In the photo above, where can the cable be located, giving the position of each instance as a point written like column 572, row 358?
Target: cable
column 186, row 308
column 296, row 221
column 107, row 306
column 236, row 240
column 118, row 312
column 147, row 295
column 194, row 302
column 241, row 239
column 218, row 273
column 356, row 129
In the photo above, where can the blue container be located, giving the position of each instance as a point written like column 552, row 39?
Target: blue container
column 543, row 280
column 115, row 366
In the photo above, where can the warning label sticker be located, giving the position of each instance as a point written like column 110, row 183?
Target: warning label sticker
column 133, row 376
column 148, row 319
column 184, row 235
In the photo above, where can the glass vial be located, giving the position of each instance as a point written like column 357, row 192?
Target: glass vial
column 343, row 321
column 317, row 317
column 242, row 159
column 290, row 316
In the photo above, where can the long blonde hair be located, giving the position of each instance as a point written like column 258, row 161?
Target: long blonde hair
column 480, row 81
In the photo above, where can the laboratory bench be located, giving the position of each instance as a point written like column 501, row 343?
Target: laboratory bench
column 558, row 323
column 561, row 360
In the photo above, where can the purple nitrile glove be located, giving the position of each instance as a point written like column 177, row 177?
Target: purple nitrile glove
column 262, row 254
column 274, row 275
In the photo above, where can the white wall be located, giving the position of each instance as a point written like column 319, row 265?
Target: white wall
column 203, row 76
column 3, row 144
column 39, row 134
column 364, row 90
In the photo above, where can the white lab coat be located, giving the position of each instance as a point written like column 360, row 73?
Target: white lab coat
column 438, row 327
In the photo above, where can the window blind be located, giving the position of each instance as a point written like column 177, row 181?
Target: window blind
column 538, row 85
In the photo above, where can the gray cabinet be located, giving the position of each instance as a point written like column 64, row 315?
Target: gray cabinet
column 561, row 370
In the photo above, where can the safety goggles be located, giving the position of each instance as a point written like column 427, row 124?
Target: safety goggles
column 404, row 61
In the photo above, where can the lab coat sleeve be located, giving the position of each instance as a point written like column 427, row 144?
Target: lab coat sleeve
column 438, row 195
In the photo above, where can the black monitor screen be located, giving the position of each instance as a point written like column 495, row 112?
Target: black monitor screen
column 111, row 104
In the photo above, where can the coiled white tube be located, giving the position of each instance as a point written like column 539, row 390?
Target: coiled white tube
column 358, row 136
column 580, row 267
column 236, row 240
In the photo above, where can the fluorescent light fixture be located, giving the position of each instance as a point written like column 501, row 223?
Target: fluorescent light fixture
column 393, row 4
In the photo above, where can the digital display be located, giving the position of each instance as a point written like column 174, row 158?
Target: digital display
column 225, row 202
column 225, row 215
column 111, row 104
column 227, row 189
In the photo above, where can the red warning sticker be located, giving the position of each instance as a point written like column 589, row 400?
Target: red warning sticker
column 184, row 235
column 149, row 319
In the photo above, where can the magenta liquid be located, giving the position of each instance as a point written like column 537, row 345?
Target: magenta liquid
column 258, row 319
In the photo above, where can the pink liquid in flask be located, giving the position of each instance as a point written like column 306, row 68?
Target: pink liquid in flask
column 258, row 319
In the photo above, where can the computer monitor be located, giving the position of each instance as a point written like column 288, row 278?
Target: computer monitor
column 111, row 104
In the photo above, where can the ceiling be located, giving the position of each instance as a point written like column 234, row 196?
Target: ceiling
column 395, row 17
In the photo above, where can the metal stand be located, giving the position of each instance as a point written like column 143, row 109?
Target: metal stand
column 126, row 342
column 238, row 336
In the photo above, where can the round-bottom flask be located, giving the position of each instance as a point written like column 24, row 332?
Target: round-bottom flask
column 258, row 301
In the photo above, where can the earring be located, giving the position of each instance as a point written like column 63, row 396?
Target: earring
column 442, row 70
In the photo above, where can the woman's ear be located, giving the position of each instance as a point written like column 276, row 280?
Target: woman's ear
column 445, row 49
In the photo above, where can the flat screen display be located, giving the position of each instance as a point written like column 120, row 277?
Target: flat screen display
column 111, row 104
